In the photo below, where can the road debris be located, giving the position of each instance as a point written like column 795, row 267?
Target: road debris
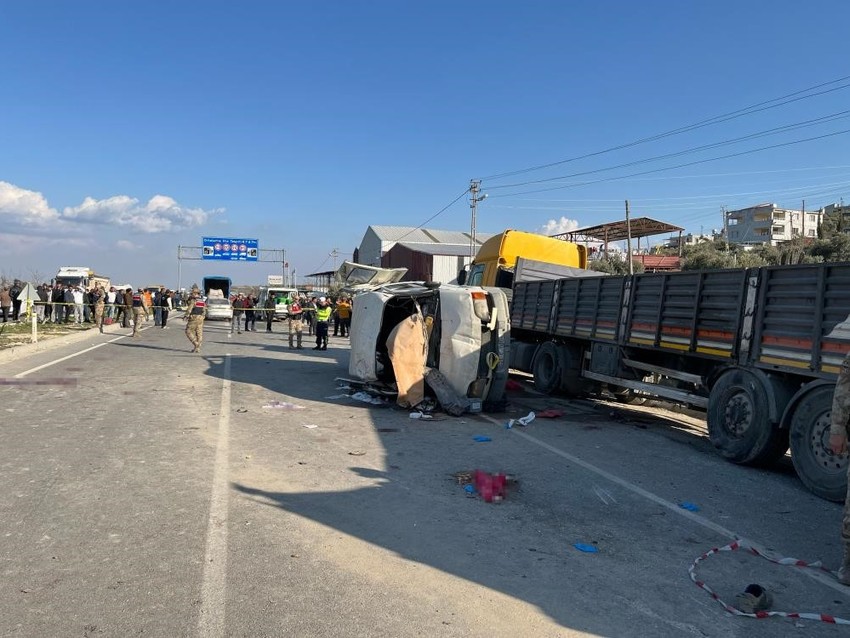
column 283, row 405
column 550, row 413
column 586, row 548
column 365, row 397
column 528, row 418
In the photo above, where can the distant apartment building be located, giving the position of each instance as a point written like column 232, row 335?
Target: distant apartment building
column 689, row 240
column 769, row 224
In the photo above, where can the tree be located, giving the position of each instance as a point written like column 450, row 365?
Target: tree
column 708, row 256
column 835, row 247
column 614, row 266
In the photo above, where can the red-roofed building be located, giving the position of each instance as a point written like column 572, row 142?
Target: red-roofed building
column 659, row 263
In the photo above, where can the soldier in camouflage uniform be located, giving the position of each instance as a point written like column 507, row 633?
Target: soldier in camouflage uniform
column 195, row 313
column 99, row 297
column 838, row 434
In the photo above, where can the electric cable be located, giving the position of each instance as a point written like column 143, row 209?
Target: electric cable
column 767, row 132
column 434, row 216
column 748, row 110
column 670, row 168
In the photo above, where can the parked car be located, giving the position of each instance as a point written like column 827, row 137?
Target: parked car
column 468, row 330
column 281, row 296
column 219, row 308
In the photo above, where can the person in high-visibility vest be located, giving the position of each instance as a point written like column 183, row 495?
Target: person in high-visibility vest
column 323, row 315
column 343, row 312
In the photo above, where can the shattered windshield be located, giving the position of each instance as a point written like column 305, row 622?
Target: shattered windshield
column 361, row 275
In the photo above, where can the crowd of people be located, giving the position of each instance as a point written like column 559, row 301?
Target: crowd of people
column 61, row 303
column 313, row 314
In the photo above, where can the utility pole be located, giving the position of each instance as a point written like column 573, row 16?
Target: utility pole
column 629, row 240
column 803, row 221
column 474, row 186
column 725, row 227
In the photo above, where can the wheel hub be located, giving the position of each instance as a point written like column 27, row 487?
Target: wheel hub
column 738, row 415
column 819, row 442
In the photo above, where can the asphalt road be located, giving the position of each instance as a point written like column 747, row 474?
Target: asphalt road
column 149, row 491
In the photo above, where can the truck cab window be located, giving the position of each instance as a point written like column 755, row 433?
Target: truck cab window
column 476, row 275
column 504, row 279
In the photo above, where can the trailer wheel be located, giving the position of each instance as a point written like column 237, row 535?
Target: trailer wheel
column 824, row 473
column 738, row 421
column 571, row 382
column 547, row 368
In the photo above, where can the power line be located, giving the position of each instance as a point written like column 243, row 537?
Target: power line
column 435, row 215
column 670, row 168
column 767, row 132
column 739, row 173
column 644, row 200
column 748, row 110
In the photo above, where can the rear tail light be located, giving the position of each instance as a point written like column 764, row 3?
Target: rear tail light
column 480, row 305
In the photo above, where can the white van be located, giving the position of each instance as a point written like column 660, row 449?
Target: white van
column 280, row 295
column 469, row 338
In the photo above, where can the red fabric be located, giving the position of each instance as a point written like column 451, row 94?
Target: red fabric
column 550, row 413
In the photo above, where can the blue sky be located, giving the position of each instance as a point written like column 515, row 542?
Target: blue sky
column 128, row 129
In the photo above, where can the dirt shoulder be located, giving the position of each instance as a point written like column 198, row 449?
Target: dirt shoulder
column 16, row 337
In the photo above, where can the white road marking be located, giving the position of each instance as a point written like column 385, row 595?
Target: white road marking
column 213, row 588
column 70, row 356
column 673, row 507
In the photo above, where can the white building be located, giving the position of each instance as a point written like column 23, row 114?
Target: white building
column 689, row 240
column 769, row 224
column 379, row 239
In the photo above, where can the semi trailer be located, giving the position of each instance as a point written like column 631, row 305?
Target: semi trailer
column 758, row 349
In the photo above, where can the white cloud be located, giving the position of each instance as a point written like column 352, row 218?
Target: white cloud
column 124, row 244
column 159, row 214
column 558, row 226
column 23, row 208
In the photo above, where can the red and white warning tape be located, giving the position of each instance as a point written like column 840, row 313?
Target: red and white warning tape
column 742, row 544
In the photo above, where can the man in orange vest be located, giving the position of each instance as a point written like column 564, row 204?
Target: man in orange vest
column 343, row 311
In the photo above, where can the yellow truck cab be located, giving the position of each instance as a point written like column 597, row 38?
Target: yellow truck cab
column 496, row 259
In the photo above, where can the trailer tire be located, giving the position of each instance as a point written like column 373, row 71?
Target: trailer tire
column 547, row 368
column 739, row 425
column 821, row 471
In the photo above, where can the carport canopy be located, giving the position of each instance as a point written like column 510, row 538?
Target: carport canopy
column 622, row 230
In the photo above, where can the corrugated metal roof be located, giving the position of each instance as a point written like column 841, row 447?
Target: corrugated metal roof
column 426, row 235
column 618, row 231
column 451, row 250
